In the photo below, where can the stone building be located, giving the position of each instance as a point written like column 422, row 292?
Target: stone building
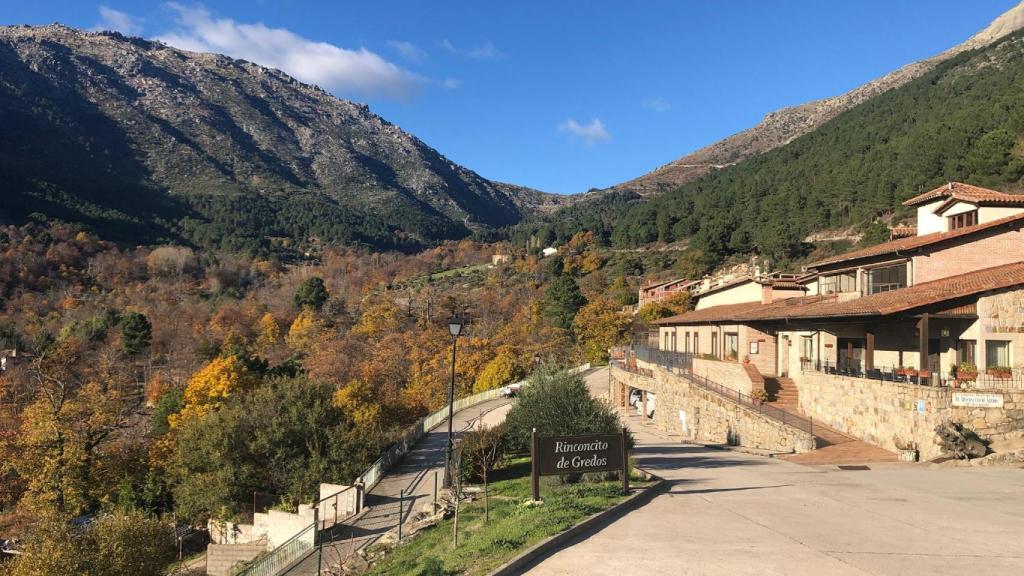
column 875, row 341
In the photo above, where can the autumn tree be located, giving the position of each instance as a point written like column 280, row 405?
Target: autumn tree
column 483, row 449
column 210, row 387
column 599, row 326
column 501, row 370
column 303, row 331
column 269, row 332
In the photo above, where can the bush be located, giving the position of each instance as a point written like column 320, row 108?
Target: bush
column 114, row 545
column 557, row 403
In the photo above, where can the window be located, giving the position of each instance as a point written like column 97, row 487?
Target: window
column 807, row 347
column 888, row 278
column 997, row 353
column 966, row 351
column 686, row 342
column 963, row 220
column 696, row 347
column 673, row 348
column 732, row 346
column 714, row 344
column 845, row 282
column 665, row 345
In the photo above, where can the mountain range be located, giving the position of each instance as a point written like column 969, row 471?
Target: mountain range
column 146, row 142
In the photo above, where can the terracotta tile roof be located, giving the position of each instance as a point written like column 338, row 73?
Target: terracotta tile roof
column 966, row 192
column 915, row 242
column 657, row 283
column 882, row 304
column 903, row 231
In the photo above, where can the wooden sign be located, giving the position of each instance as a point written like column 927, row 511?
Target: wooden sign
column 555, row 455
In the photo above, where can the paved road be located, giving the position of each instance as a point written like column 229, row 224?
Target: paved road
column 415, row 475
column 728, row 513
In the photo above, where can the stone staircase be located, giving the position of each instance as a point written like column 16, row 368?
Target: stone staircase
column 834, row 447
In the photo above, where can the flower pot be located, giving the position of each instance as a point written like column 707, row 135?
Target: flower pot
column 907, row 455
column 999, row 373
column 966, row 376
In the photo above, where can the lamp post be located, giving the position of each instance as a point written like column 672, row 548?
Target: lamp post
column 455, row 329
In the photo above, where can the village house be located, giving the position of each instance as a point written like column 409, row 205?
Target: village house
column 937, row 310
column 662, row 290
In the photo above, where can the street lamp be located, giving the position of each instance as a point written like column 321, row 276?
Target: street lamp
column 455, row 325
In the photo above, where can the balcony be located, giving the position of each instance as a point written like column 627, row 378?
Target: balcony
column 988, row 380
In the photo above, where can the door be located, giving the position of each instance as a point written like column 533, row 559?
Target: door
column 851, row 354
column 784, row 356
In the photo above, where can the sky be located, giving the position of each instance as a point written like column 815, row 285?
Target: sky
column 562, row 96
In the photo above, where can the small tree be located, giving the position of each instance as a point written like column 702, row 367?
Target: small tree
column 557, row 403
column 483, row 450
column 136, row 332
column 312, row 293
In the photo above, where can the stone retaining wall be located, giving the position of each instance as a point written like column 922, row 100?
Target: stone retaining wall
column 881, row 412
column 221, row 558
column 703, row 416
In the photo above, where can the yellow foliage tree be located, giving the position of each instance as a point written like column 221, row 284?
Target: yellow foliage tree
column 599, row 325
column 303, row 331
column 269, row 332
column 359, row 402
column 501, row 370
column 208, row 388
column 379, row 318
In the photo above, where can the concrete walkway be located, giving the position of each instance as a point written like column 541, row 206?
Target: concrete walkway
column 729, row 513
column 415, row 475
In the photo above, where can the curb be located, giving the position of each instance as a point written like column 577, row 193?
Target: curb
column 542, row 549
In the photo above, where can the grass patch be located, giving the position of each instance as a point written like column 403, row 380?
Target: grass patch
column 513, row 526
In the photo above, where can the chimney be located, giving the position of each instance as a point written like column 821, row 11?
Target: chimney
column 949, row 186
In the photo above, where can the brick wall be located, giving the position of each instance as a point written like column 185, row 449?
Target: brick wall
column 221, row 558
column 993, row 248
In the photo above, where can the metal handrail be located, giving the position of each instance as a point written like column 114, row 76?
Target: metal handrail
column 681, row 363
column 980, row 380
column 283, row 555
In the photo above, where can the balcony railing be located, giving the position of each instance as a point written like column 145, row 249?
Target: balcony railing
column 982, row 380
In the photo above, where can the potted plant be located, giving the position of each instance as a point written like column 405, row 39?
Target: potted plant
column 903, row 371
column 966, row 372
column 1000, row 371
column 759, row 396
column 906, row 450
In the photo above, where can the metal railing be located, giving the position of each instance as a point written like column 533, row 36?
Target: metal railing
column 681, row 363
column 282, row 556
column 979, row 380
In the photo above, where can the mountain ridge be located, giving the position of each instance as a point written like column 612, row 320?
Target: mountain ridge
column 783, row 126
column 151, row 133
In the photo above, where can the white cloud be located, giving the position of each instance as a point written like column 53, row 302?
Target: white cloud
column 658, row 104
column 340, row 70
column 484, row 51
column 408, row 50
column 118, row 21
column 591, row 133
column 451, row 83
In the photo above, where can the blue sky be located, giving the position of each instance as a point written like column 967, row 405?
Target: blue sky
column 558, row 95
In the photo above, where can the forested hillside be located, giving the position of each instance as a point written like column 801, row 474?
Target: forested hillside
column 962, row 121
column 146, row 143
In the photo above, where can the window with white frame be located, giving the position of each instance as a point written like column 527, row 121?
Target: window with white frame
column 836, row 283
column 886, row 279
column 997, row 353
